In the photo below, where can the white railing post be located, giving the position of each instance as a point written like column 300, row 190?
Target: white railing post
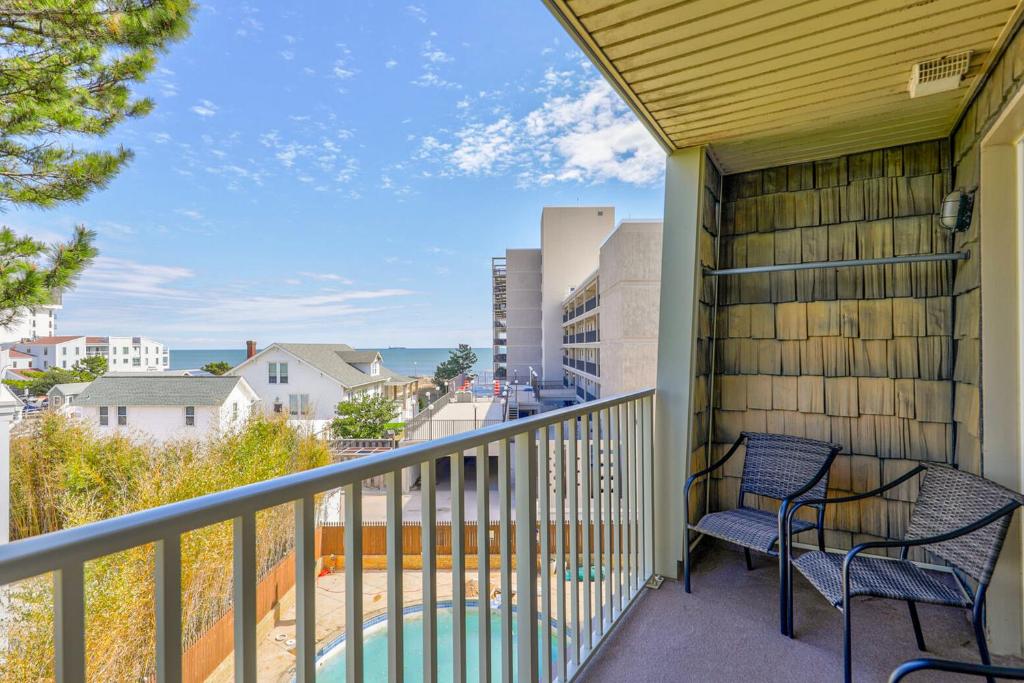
column 505, row 534
column 69, row 623
column 305, row 591
column 244, row 593
column 544, row 520
column 458, row 470
column 563, row 651
column 395, row 569
column 648, row 511
column 354, row 583
column 526, row 552
column 428, row 531
column 573, row 477
column 167, row 598
column 483, row 527
column 607, row 614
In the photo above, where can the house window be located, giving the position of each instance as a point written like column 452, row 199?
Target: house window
column 63, row 363
column 272, row 373
column 298, row 404
column 63, row 350
column 104, row 416
column 282, row 374
column 124, row 350
column 190, row 416
column 122, row 415
column 234, row 412
column 136, row 362
column 375, row 369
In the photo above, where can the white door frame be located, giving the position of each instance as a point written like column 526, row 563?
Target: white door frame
column 1001, row 204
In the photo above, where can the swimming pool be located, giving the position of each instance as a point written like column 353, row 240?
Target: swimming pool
column 331, row 664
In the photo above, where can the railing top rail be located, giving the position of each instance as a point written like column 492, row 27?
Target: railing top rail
column 39, row 554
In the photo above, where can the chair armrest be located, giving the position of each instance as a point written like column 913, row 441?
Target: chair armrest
column 791, row 512
column 968, row 668
column 930, row 540
column 814, row 480
column 714, row 466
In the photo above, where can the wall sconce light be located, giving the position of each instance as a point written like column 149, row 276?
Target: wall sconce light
column 957, row 207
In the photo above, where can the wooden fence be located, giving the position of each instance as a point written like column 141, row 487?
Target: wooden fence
column 331, row 538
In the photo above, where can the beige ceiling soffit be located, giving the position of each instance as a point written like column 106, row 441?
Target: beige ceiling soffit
column 998, row 48
column 574, row 28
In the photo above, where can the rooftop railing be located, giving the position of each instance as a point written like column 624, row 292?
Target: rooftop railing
column 587, row 470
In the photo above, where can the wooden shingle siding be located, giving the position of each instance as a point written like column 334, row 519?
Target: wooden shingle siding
column 858, row 356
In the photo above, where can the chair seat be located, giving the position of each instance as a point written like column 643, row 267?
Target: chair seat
column 754, row 529
column 894, row 579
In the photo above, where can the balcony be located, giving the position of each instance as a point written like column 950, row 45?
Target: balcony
column 607, row 516
column 590, row 337
column 501, row 358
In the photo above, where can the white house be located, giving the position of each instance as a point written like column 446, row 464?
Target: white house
column 165, row 407
column 52, row 352
column 63, row 397
column 129, row 354
column 40, row 321
column 309, row 380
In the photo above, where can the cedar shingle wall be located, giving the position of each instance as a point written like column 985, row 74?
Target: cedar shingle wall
column 858, row 356
column 706, row 329
column 1005, row 80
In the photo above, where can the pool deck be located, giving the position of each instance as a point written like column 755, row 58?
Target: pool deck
column 276, row 662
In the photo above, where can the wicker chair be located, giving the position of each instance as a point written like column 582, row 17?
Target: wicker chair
column 959, row 518
column 962, row 668
column 785, row 468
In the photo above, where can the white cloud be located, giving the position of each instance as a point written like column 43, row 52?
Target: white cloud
column 287, row 55
column 118, row 278
column 190, row 213
column 161, row 138
column 205, row 108
column 585, row 135
column 417, row 13
column 326, row 277
column 290, row 39
column 390, row 64
column 433, row 57
column 341, row 70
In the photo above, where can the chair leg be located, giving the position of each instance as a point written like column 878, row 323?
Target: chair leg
column 917, row 625
column 746, row 556
column 847, row 644
column 821, row 529
column 979, row 635
column 790, row 627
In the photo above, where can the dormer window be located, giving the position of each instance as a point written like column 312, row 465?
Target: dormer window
column 374, row 368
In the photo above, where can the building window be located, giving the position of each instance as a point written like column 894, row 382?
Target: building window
column 124, row 350
column 282, row 374
column 63, row 350
column 104, row 416
column 374, row 369
column 234, row 411
column 298, row 404
column 64, row 364
column 272, row 373
column 136, row 362
column 190, row 416
column 122, row 415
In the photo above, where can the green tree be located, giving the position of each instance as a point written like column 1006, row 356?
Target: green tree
column 460, row 361
column 217, row 367
column 66, row 74
column 90, row 367
column 31, row 272
column 365, row 417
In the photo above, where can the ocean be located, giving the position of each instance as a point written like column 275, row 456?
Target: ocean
column 407, row 361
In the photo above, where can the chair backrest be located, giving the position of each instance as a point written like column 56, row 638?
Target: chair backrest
column 776, row 465
column 950, row 499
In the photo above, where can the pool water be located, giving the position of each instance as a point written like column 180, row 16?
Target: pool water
column 331, row 666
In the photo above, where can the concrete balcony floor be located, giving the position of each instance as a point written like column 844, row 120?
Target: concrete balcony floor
column 727, row 629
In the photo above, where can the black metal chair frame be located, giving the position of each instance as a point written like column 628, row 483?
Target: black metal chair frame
column 783, row 507
column 967, row 668
column 976, row 597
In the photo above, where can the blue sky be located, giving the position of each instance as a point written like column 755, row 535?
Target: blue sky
column 325, row 171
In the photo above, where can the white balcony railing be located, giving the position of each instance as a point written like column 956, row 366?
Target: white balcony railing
column 601, row 480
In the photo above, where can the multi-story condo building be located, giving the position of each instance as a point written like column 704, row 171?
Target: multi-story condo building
column 610, row 319
column 129, row 354
column 40, row 321
column 123, row 354
column 528, row 287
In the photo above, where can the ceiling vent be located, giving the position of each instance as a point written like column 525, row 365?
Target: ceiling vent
column 939, row 75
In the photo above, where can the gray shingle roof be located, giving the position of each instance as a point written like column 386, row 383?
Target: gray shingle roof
column 395, row 377
column 69, row 389
column 331, row 360
column 359, row 356
column 157, row 391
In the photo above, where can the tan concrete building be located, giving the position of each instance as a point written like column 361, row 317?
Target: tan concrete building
column 610, row 320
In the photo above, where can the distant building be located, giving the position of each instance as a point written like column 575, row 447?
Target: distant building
column 528, row 286
column 123, row 354
column 610, row 320
column 164, row 407
column 53, row 351
column 16, row 360
column 307, row 381
column 39, row 321
column 62, row 397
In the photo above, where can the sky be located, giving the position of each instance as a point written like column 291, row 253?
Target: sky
column 344, row 172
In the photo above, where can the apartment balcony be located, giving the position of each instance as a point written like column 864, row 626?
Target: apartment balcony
column 597, row 497
column 501, row 358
